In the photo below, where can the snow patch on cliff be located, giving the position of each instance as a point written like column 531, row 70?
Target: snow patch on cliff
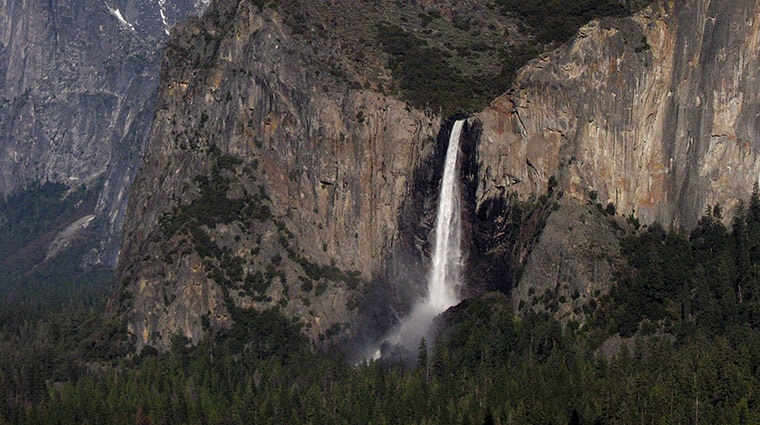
column 162, row 11
column 117, row 14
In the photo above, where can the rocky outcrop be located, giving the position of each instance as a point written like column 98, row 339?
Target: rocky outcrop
column 656, row 114
column 574, row 261
column 318, row 167
column 77, row 89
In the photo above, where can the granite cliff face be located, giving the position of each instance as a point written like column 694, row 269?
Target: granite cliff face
column 306, row 171
column 77, row 88
column 656, row 114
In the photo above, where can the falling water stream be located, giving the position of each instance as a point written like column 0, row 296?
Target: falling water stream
column 444, row 277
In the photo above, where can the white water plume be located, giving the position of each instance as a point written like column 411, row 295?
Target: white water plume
column 444, row 278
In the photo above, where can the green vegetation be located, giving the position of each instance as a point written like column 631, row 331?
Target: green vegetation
column 553, row 21
column 194, row 221
column 429, row 80
column 447, row 70
column 707, row 282
column 213, row 206
column 316, row 272
column 30, row 284
column 488, row 368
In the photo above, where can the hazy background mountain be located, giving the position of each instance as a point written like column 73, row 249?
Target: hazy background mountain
column 77, row 94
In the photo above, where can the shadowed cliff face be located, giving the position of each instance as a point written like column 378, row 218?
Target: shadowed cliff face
column 657, row 114
column 330, row 163
column 77, row 89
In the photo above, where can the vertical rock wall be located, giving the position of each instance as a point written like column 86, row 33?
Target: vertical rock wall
column 657, row 114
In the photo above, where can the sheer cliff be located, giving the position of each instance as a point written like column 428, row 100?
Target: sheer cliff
column 656, row 114
column 311, row 129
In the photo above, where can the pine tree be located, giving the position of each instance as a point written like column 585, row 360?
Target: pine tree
column 741, row 251
column 422, row 358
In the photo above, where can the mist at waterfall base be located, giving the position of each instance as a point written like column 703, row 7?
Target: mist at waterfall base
column 445, row 275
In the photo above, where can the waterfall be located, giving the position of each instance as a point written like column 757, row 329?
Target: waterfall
column 444, row 277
